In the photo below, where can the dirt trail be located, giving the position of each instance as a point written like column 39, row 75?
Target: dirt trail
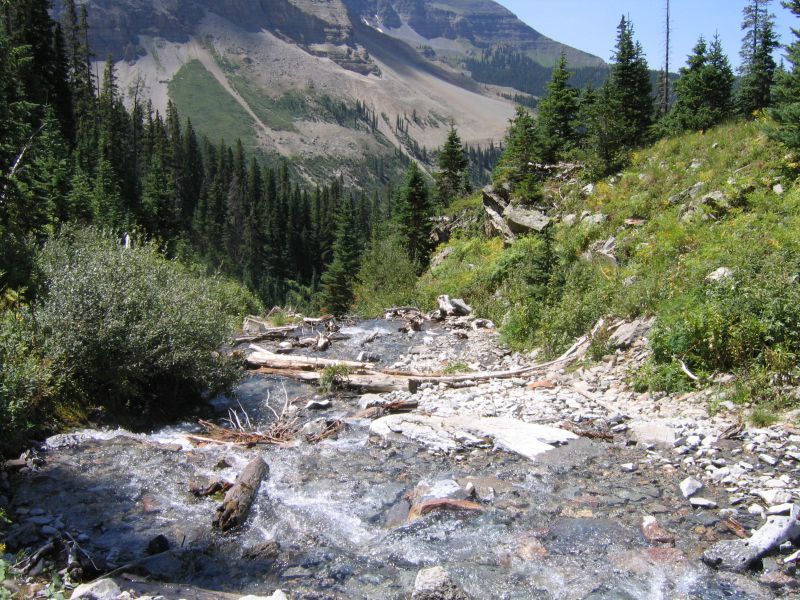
column 205, row 58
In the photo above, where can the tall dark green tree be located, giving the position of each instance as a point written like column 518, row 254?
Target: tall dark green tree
column 758, row 65
column 413, row 213
column 453, row 164
column 787, row 92
column 517, row 165
column 631, row 87
column 558, row 111
column 622, row 110
column 339, row 279
column 704, row 90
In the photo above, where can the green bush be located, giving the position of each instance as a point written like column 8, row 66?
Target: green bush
column 735, row 323
column 26, row 380
column 131, row 331
column 386, row 279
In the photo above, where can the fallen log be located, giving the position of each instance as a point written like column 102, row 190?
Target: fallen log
column 376, row 383
column 364, row 376
column 272, row 333
column 238, row 500
column 264, row 358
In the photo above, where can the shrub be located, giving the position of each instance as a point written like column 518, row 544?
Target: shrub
column 26, row 380
column 131, row 331
column 387, row 277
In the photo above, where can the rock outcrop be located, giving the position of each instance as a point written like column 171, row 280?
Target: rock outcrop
column 507, row 220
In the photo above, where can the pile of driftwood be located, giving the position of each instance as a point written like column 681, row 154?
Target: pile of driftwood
column 365, row 377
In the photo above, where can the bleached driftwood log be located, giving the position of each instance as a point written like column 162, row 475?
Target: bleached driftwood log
column 238, row 500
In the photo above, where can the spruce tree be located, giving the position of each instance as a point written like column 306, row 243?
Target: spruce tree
column 758, row 65
column 787, row 92
column 413, row 214
column 557, row 113
column 517, row 165
column 339, row 279
column 703, row 91
column 631, row 88
column 453, row 163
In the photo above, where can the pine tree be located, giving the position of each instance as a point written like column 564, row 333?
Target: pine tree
column 704, row 90
column 758, row 65
column 517, row 165
column 413, row 214
column 339, row 279
column 557, row 113
column 453, row 163
column 787, row 92
column 631, row 88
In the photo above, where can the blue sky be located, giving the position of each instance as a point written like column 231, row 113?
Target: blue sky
column 591, row 24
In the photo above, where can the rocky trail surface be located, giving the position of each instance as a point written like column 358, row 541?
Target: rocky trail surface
column 561, row 484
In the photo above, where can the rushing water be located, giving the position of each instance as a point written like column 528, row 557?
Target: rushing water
column 565, row 526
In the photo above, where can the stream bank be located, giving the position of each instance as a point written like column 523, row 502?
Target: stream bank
column 600, row 514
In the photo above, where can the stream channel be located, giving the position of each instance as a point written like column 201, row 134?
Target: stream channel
column 563, row 526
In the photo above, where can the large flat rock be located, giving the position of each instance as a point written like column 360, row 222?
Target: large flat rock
column 447, row 434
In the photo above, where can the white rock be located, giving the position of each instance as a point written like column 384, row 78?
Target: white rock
column 277, row 595
column 770, row 460
column 780, row 509
column 447, row 434
column 720, row 274
column 774, row 496
column 103, row 589
column 703, row 503
column 690, row 486
column 628, row 467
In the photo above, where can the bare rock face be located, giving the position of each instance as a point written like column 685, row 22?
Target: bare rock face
column 505, row 220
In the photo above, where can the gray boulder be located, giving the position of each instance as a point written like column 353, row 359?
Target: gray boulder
column 436, row 584
column 102, row 589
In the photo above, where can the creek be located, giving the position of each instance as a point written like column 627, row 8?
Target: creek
column 563, row 526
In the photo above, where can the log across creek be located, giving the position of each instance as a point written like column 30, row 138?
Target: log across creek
column 365, row 377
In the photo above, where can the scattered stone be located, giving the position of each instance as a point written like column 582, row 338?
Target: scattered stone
column 770, row 460
column 102, row 589
column 628, row 468
column 628, row 333
column 780, row 509
column 368, row 357
column 654, row 533
column 690, row 486
column 318, row 404
column 778, row 580
column 436, row 584
column 774, row 496
column 262, row 551
column 738, row 555
column 702, row 503
column 719, row 275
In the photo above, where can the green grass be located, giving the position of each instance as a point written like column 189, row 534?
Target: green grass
column 214, row 112
column 275, row 114
column 545, row 292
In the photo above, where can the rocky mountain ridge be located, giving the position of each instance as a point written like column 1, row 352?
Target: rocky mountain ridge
column 327, row 83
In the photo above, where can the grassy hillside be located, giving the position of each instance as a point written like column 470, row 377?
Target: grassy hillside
column 213, row 111
column 702, row 231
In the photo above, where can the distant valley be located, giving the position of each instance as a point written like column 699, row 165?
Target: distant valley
column 350, row 88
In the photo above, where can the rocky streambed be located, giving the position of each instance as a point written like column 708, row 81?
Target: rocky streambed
column 564, row 485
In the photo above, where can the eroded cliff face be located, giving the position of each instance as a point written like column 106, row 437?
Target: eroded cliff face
column 116, row 25
column 482, row 23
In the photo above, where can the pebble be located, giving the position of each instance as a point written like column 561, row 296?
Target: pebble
column 702, row 503
column 628, row 468
column 690, row 486
column 770, row 460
